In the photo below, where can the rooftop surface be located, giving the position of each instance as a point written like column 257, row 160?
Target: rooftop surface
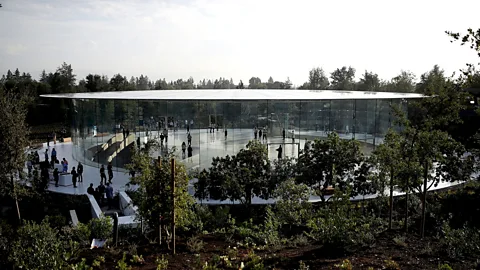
column 236, row 95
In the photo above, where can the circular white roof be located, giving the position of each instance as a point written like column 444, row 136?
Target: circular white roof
column 236, row 94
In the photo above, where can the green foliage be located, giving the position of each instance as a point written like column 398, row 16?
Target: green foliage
column 303, row 266
column 80, row 233
column 162, row 264
column 155, row 190
column 345, row 265
column 444, row 267
column 101, row 228
column 255, row 262
column 238, row 177
column 37, row 247
column 292, row 206
column 461, row 242
column 337, row 227
column 195, row 245
column 329, row 162
column 136, row 259
column 391, row 265
column 122, row 264
column 82, row 265
column 98, row 261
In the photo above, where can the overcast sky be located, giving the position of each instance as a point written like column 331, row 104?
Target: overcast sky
column 234, row 39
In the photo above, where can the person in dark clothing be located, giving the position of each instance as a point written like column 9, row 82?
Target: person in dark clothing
column 260, row 134
column 109, row 192
column 188, row 128
column 255, row 132
column 226, row 133
column 128, row 132
column 48, row 140
column 265, row 134
column 184, row 148
column 110, row 172
column 190, row 151
column 80, row 172
column 161, row 138
column 54, row 155
column 46, row 156
column 124, row 133
column 280, row 150
column 56, row 176
column 90, row 189
column 138, row 142
column 189, row 138
column 101, row 191
column 103, row 176
column 283, row 134
column 74, row 177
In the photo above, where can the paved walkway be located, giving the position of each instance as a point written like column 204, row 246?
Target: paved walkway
column 120, row 179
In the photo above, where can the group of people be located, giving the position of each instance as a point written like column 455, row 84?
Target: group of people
column 103, row 176
column 260, row 133
column 100, row 192
column 188, row 149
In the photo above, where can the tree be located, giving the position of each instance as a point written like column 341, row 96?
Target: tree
column 317, row 79
column 404, row 82
column 154, row 180
column 14, row 131
column 343, row 79
column 432, row 81
column 387, row 159
column 37, row 247
column 242, row 176
column 369, row 82
column 329, row 162
column 292, row 206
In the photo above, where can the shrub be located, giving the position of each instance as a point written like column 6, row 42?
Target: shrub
column 303, row 266
column 101, row 228
column 80, row 233
column 195, row 245
column 122, row 264
column 162, row 264
column 298, row 241
column 391, row 265
column 444, row 267
column 137, row 259
column 345, row 265
column 37, row 247
column 460, row 242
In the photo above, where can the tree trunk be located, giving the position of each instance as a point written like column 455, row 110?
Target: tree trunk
column 390, row 214
column 406, row 206
column 424, row 199
column 16, row 200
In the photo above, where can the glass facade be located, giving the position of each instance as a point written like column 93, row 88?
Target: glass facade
column 220, row 128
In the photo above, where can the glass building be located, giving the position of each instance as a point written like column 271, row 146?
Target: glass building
column 106, row 125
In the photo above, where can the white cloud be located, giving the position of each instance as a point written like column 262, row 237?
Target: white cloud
column 238, row 39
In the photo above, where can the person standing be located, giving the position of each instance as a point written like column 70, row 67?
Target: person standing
column 184, row 148
column 54, row 155
column 110, row 172
column 226, row 133
column 189, row 138
column 74, row 177
column 188, row 127
column 56, row 176
column 64, row 167
column 279, row 150
column 260, row 134
column 101, row 191
column 54, row 135
column 46, row 156
column 165, row 133
column 48, row 140
column 109, row 192
column 103, row 176
column 255, row 132
column 80, row 172
column 90, row 189
column 283, row 134
column 264, row 134
column 190, row 152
